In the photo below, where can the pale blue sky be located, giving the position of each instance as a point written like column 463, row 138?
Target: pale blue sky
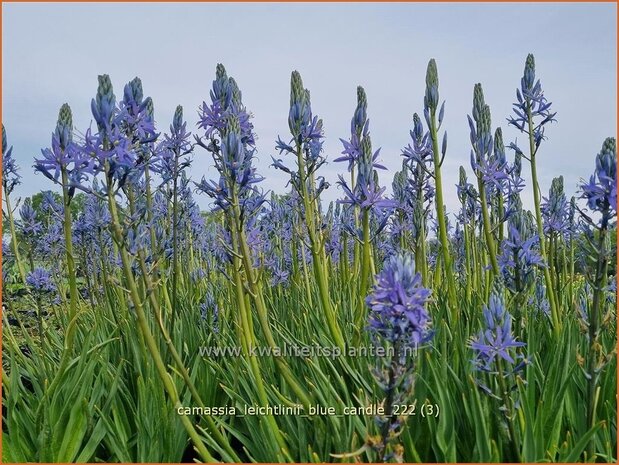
column 52, row 53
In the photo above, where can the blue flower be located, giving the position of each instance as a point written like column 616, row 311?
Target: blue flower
column 232, row 148
column 40, row 281
column 431, row 97
column 601, row 190
column 397, row 304
column 359, row 128
column 531, row 101
column 555, row 210
column 488, row 154
column 29, row 225
column 174, row 146
column 10, row 175
column 495, row 341
column 468, row 197
column 540, row 300
column 399, row 322
column 226, row 100
column 307, row 133
column 134, row 115
column 209, row 306
column 64, row 155
column 421, row 149
column 234, row 162
column 280, row 276
column 51, row 204
column 103, row 106
column 519, row 251
column 366, row 191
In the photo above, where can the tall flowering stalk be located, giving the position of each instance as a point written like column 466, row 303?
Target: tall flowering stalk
column 135, row 117
column 115, row 157
column 420, row 193
column 434, row 118
column 40, row 283
column 555, row 213
column 365, row 194
column 306, row 147
column 399, row 322
column 30, row 228
column 362, row 197
column 533, row 113
column 229, row 138
column 467, row 218
column 519, row 250
column 497, row 356
column 64, row 164
column 175, row 146
column 11, row 179
column 481, row 161
column 500, row 185
column 601, row 196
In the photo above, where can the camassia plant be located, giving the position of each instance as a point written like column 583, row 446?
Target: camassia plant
column 382, row 327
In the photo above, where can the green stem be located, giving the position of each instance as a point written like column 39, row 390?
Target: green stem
column 248, row 331
column 147, row 334
column 258, row 297
column 175, row 244
column 365, row 265
column 594, row 329
column 317, row 256
column 510, row 410
column 490, row 245
column 540, row 226
column 177, row 359
column 440, row 214
column 69, row 246
column 14, row 244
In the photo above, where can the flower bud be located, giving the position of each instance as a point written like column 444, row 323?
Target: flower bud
column 375, row 178
column 365, row 161
column 556, row 198
column 485, row 124
column 221, row 87
column 499, row 146
column 362, row 100
column 610, row 146
column 417, row 127
column 607, row 159
column 220, row 72
column 149, row 108
column 299, row 114
column 463, row 179
column 235, row 93
column 177, row 121
column 4, row 142
column 103, row 105
column 431, row 97
column 441, row 113
column 556, row 187
column 528, row 80
column 133, row 92
column 517, row 163
column 478, row 102
column 297, row 91
column 361, row 110
column 233, row 125
column 64, row 126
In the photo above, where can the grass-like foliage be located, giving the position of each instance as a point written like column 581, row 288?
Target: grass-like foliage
column 276, row 328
